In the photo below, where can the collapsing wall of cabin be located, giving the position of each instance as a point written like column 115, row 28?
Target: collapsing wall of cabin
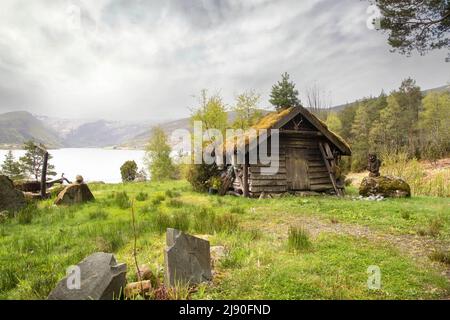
column 302, row 164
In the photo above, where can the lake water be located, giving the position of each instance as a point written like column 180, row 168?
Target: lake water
column 92, row 164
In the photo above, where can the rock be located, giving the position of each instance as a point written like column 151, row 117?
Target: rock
column 74, row 194
column 134, row 289
column 187, row 259
column 11, row 199
column 56, row 190
column 101, row 278
column 79, row 179
column 217, row 253
column 385, row 186
column 145, row 273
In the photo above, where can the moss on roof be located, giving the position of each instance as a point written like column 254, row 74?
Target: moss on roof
column 268, row 122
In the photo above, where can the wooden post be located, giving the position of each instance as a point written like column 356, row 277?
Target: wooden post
column 44, row 176
column 245, row 178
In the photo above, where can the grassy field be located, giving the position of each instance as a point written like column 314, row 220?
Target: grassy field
column 332, row 243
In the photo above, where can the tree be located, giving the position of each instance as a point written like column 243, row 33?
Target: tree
column 211, row 112
column 434, row 123
column 421, row 25
column 360, row 137
column 334, row 123
column 319, row 100
column 158, row 156
column 129, row 171
column 11, row 167
column 246, row 110
column 31, row 163
column 284, row 95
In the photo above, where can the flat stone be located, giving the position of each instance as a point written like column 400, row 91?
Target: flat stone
column 187, row 259
column 75, row 194
column 101, row 278
column 11, row 199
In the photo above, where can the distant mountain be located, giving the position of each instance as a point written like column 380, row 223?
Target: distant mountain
column 19, row 127
column 103, row 133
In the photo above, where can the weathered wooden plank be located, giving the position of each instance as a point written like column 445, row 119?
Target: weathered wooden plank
column 316, row 164
column 267, row 183
column 318, row 169
column 281, row 164
column 318, row 175
column 322, row 187
column 276, row 176
column 268, row 189
column 315, row 181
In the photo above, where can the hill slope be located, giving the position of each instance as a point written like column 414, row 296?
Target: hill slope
column 18, row 127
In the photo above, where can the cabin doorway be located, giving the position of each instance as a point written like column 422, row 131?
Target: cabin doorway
column 297, row 169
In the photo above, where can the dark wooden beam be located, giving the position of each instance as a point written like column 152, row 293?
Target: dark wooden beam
column 44, row 177
column 306, row 133
column 245, row 178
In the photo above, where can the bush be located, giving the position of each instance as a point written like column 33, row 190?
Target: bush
column 433, row 229
column 129, row 171
column 298, row 239
column 158, row 198
column 122, row 200
column 199, row 176
column 141, row 196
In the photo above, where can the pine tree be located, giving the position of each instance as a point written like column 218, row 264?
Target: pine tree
column 31, row 163
column 11, row 167
column 284, row 95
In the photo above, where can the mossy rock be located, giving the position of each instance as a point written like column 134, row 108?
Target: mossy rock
column 385, row 186
column 11, row 199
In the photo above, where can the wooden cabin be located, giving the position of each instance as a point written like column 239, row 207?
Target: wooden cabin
column 309, row 156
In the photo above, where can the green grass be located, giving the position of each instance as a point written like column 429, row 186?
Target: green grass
column 34, row 254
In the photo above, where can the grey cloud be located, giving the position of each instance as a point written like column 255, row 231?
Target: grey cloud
column 139, row 59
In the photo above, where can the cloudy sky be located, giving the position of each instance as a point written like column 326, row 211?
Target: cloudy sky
column 146, row 59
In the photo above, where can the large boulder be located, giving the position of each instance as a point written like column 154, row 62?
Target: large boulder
column 385, row 186
column 10, row 198
column 75, row 194
column 100, row 278
column 187, row 259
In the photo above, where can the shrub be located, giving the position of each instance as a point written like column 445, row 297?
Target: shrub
column 141, row 196
column 158, row 198
column 129, row 171
column 98, row 214
column 199, row 176
column 122, row 200
column 298, row 239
